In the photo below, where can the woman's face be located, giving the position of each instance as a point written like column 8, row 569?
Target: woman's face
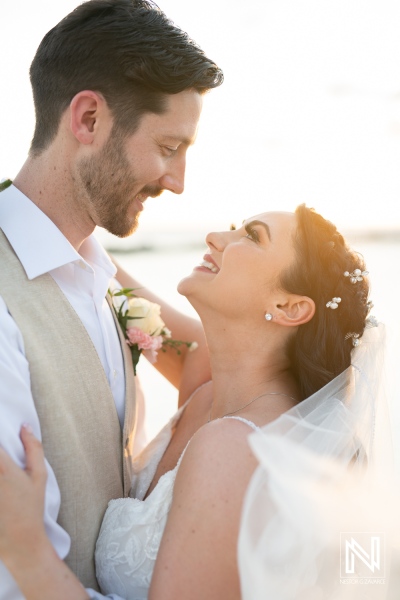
column 240, row 272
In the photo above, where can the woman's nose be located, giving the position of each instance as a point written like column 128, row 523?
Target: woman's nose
column 216, row 241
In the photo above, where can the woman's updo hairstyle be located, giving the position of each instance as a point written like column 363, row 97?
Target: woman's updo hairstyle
column 319, row 351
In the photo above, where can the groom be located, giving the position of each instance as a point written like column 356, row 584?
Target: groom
column 118, row 93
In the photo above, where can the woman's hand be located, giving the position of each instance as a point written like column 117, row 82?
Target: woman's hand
column 22, row 500
column 24, row 546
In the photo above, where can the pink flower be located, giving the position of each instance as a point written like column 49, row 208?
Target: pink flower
column 137, row 336
column 145, row 342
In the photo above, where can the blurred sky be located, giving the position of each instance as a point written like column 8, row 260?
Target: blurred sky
column 309, row 111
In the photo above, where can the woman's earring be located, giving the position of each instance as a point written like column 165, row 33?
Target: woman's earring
column 268, row 317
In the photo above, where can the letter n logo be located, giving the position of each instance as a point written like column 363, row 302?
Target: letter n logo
column 363, row 554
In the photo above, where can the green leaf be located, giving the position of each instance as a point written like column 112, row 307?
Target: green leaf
column 5, row 184
column 127, row 292
column 135, row 356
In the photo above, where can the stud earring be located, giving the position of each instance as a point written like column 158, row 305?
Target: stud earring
column 268, row 317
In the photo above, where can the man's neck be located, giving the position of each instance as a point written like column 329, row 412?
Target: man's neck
column 47, row 182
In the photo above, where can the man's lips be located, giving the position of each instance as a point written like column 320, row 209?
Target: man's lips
column 147, row 193
column 140, row 199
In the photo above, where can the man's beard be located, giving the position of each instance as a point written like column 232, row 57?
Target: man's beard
column 109, row 182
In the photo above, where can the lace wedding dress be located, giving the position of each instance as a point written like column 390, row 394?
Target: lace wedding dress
column 132, row 527
column 319, row 464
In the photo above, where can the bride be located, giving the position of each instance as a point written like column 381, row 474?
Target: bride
column 284, row 304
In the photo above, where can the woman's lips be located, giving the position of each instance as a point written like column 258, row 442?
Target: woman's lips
column 209, row 264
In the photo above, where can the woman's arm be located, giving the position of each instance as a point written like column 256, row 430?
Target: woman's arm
column 187, row 370
column 24, row 546
column 198, row 554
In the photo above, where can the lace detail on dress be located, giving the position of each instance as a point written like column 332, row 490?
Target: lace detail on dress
column 132, row 528
column 129, row 541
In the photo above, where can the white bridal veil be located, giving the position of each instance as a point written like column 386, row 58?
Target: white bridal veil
column 320, row 518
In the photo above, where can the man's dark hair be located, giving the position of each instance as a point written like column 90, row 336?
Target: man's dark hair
column 127, row 50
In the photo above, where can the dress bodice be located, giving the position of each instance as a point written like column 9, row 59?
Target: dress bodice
column 132, row 528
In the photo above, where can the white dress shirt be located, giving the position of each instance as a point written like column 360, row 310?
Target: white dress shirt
column 84, row 278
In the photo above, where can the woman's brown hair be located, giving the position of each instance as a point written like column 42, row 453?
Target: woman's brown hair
column 319, row 351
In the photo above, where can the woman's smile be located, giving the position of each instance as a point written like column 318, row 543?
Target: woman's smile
column 207, row 264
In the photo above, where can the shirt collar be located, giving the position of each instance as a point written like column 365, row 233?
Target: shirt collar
column 37, row 241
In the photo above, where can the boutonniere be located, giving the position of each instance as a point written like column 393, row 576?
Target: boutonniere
column 142, row 326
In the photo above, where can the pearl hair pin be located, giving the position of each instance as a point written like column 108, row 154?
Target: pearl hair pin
column 334, row 303
column 355, row 338
column 356, row 275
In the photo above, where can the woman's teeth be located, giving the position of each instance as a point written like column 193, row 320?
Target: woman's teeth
column 209, row 265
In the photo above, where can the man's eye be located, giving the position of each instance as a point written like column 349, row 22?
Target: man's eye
column 168, row 150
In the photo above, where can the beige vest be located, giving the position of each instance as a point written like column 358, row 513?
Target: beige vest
column 81, row 433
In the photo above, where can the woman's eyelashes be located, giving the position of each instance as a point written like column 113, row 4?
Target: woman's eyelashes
column 252, row 233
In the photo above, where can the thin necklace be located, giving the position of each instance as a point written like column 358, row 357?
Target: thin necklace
column 251, row 402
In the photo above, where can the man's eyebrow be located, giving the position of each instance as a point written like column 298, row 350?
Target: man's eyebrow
column 256, row 222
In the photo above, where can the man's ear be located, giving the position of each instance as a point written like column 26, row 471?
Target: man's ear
column 85, row 108
column 296, row 310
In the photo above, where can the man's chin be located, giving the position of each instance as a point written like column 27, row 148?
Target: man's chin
column 123, row 230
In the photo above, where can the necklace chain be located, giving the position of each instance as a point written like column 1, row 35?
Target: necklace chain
column 251, row 402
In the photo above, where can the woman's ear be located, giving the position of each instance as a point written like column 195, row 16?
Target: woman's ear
column 85, row 109
column 297, row 310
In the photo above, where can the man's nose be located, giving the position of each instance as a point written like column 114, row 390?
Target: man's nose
column 174, row 178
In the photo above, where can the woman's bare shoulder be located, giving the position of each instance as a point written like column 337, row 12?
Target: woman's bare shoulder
column 216, row 452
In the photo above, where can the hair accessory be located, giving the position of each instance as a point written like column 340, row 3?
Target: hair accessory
column 372, row 321
column 356, row 275
column 355, row 338
column 268, row 317
column 334, row 303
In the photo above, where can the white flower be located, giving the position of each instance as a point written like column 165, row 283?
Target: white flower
column 147, row 316
column 193, row 346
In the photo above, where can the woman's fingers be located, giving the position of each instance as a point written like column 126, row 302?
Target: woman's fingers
column 5, row 462
column 35, row 464
column 22, row 496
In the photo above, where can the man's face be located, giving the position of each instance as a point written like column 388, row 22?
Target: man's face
column 116, row 181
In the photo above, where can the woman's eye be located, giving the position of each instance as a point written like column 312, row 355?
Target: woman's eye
column 252, row 234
